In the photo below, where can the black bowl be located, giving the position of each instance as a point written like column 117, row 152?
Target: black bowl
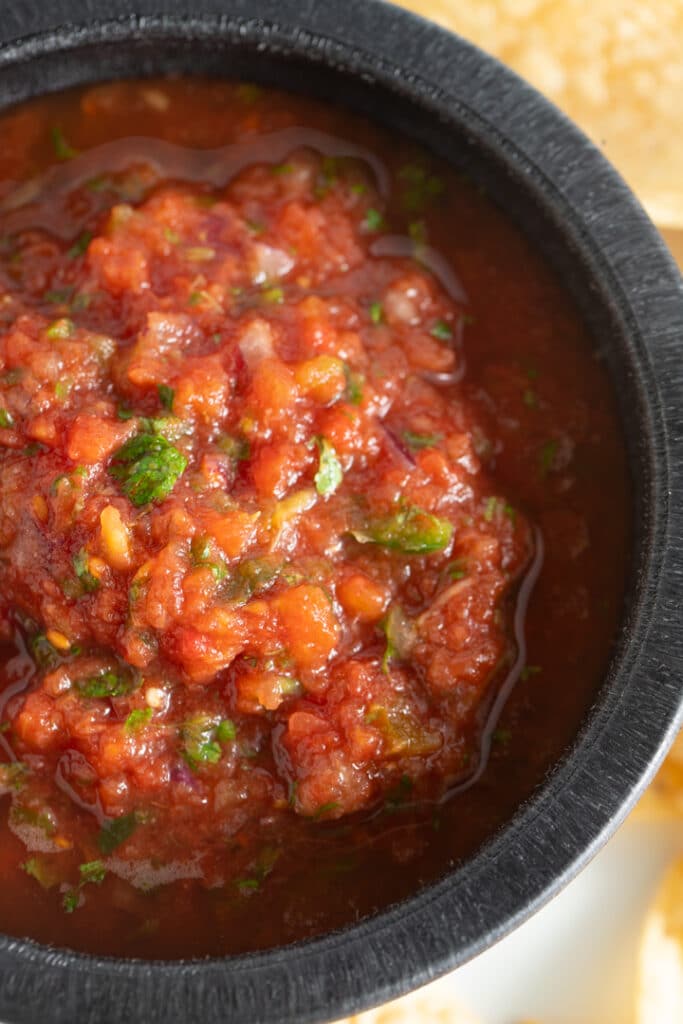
column 466, row 107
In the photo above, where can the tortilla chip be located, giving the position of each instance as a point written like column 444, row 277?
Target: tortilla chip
column 431, row 1005
column 614, row 66
column 660, row 976
column 674, row 239
column 664, row 798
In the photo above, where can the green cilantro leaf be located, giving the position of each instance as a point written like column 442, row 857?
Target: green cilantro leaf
column 137, row 718
column 166, row 396
column 330, row 473
column 147, row 467
column 441, row 330
column 63, row 151
column 89, row 582
column 115, row 832
column 417, row 441
column 80, row 245
column 374, row 221
column 109, row 684
column 94, row 871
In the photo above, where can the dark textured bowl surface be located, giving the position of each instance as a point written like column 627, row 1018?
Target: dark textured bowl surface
column 446, row 94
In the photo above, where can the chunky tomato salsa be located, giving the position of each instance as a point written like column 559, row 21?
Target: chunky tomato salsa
column 291, row 421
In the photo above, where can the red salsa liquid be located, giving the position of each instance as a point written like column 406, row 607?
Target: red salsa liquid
column 313, row 519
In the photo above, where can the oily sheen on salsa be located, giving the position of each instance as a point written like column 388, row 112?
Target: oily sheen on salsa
column 312, row 518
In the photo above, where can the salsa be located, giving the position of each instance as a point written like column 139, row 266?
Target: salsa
column 312, row 518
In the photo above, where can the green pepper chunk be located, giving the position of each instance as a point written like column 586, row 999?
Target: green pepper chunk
column 411, row 530
column 202, row 736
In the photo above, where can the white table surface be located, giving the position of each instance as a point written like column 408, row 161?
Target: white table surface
column 574, row 962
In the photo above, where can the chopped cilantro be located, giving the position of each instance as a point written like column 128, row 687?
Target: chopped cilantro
column 417, row 230
column 42, row 651
column 108, row 684
column 195, row 298
column 6, row 419
column 99, row 184
column 456, row 570
column 171, row 236
column 411, row 530
column 226, row 731
column 30, row 816
column 273, row 296
column 43, row 870
column 330, row 473
column 399, row 633
column 246, row 885
column 374, row 221
column 238, row 448
column 89, row 582
column 249, row 92
column 398, row 796
column 548, row 454
column 147, row 467
column 419, row 187
column 116, row 831
column 71, row 900
column 123, row 413
column 63, row 389
column 137, row 718
column 376, row 312
column 58, row 296
column 13, row 774
column 81, row 301
column 529, row 670
column 80, row 245
column 94, row 871
column 63, row 151
column 60, row 329
column 199, row 735
column 490, row 508
column 418, row 441
column 354, row 385
column 166, row 396
column 530, row 398
column 442, row 331
column 324, row 809
column 201, row 550
column 282, row 168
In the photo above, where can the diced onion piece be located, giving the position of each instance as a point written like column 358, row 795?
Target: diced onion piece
column 291, row 507
column 401, row 304
column 155, row 697
column 256, row 343
column 268, row 263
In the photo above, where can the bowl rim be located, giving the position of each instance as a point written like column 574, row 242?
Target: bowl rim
column 557, row 832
